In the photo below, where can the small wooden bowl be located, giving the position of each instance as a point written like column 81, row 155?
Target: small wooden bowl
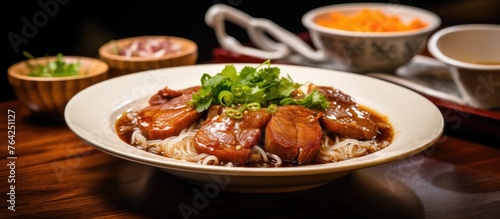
column 121, row 65
column 47, row 97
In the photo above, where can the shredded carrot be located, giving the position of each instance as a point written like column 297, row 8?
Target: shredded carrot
column 368, row 20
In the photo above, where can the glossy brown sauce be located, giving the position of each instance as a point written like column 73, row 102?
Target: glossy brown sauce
column 385, row 134
column 124, row 121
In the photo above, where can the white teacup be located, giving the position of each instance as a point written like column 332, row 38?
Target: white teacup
column 472, row 53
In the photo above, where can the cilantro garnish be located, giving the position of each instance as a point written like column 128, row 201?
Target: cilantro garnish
column 260, row 85
column 57, row 68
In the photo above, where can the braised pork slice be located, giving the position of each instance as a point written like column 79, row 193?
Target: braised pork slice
column 230, row 139
column 166, row 94
column 167, row 119
column 344, row 117
column 294, row 134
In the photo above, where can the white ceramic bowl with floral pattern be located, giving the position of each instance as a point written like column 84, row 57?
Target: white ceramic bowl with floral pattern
column 346, row 50
column 361, row 51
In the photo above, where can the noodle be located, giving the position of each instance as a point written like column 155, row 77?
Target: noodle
column 277, row 159
column 261, row 154
column 210, row 159
column 347, row 148
column 139, row 139
column 182, row 147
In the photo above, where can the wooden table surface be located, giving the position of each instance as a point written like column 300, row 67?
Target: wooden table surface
column 57, row 175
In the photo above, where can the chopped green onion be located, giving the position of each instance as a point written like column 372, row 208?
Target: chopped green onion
column 247, row 90
column 237, row 91
column 253, row 106
column 234, row 113
column 226, row 98
column 286, row 101
column 272, row 108
column 242, row 108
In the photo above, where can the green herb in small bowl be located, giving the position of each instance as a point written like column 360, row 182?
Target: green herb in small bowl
column 56, row 68
column 46, row 84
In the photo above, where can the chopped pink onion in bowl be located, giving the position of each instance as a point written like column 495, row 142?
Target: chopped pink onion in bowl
column 149, row 47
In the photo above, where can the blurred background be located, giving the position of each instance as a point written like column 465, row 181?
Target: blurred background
column 48, row 27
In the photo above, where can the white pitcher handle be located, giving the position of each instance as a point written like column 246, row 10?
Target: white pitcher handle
column 257, row 29
column 215, row 17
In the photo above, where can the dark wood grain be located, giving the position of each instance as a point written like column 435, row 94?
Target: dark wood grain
column 60, row 176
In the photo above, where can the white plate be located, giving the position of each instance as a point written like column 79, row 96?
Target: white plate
column 91, row 115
